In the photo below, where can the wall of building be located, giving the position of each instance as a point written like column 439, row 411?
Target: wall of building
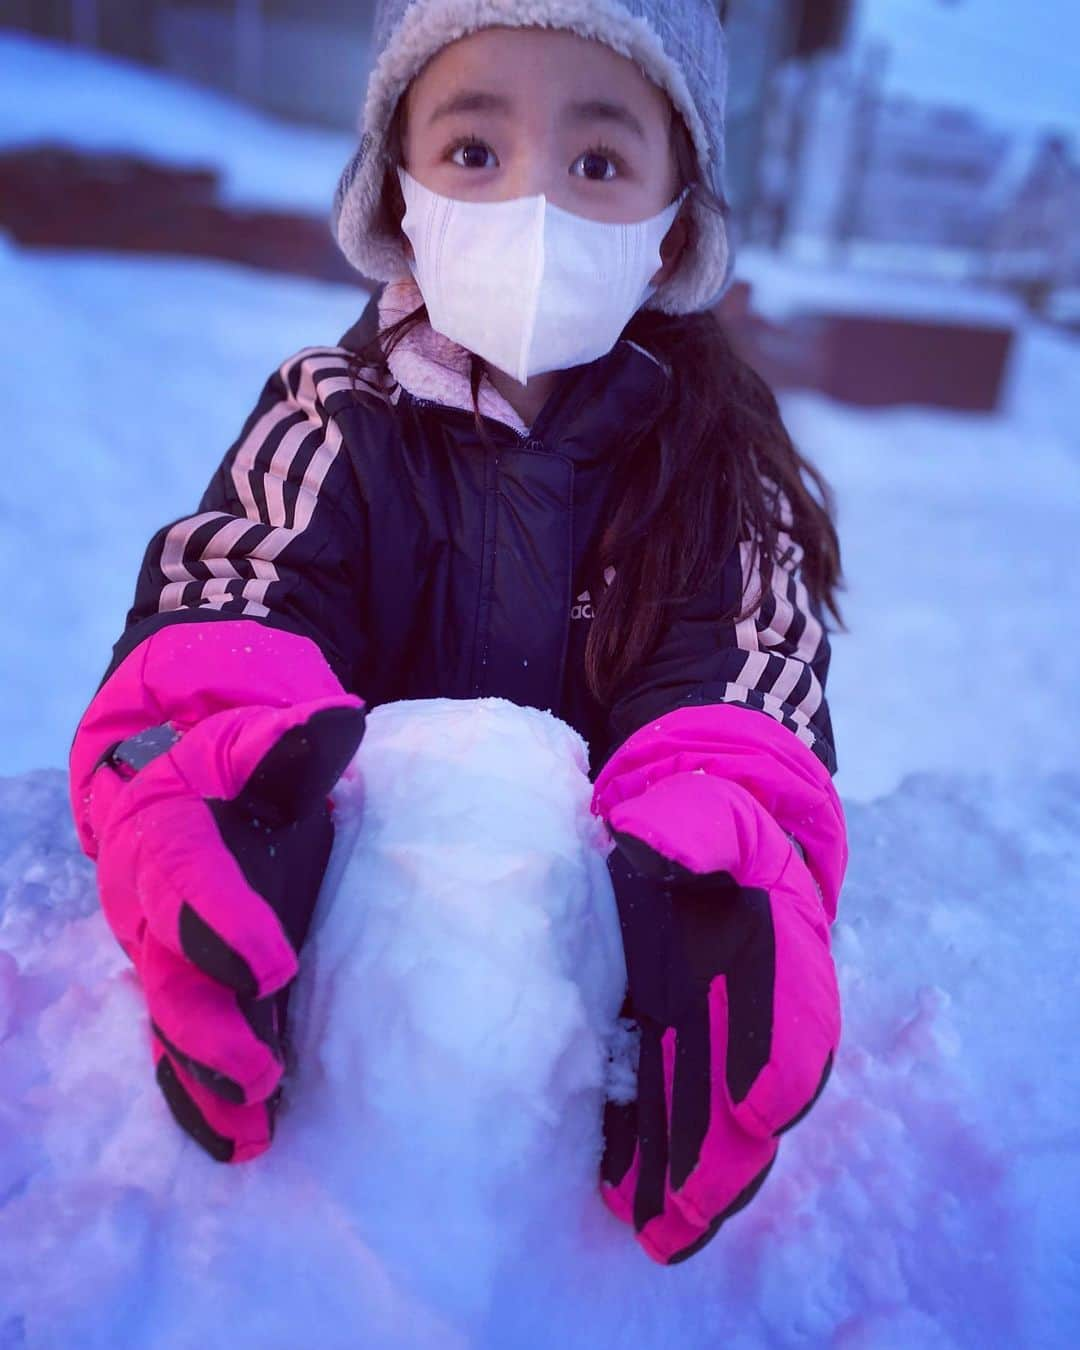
column 307, row 67
column 307, row 59
column 847, row 174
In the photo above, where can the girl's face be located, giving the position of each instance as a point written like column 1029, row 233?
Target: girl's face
column 514, row 112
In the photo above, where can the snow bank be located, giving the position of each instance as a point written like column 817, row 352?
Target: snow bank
column 957, row 536
column 53, row 92
column 433, row 1178
column 784, row 287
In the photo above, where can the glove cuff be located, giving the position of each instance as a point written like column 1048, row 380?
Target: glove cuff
column 179, row 676
column 747, row 748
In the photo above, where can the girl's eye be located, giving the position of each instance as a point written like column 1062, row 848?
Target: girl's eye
column 473, row 154
column 597, row 165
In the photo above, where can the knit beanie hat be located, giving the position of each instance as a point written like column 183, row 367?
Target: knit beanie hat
column 678, row 44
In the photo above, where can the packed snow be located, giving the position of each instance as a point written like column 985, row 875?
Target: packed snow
column 433, row 1178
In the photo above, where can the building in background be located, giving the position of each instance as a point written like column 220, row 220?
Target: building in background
column 852, row 177
column 765, row 36
column 1035, row 242
column 819, row 164
column 307, row 59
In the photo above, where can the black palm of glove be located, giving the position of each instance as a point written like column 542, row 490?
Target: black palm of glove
column 681, row 930
column 220, row 839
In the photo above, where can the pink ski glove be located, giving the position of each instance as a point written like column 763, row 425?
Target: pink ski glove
column 210, row 860
column 730, row 976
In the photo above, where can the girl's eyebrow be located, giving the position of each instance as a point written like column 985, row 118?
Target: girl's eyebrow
column 586, row 110
column 470, row 101
column 605, row 110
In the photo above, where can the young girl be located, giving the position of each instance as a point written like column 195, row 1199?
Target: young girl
column 533, row 470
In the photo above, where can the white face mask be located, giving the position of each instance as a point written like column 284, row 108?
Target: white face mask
column 525, row 285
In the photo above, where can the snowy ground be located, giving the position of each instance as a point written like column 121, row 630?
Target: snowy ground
column 58, row 93
column 127, row 380
column 433, row 1179
column 958, row 534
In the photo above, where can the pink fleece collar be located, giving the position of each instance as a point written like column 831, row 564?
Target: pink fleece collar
column 431, row 366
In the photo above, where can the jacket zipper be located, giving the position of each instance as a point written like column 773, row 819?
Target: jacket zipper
column 482, row 638
column 487, row 574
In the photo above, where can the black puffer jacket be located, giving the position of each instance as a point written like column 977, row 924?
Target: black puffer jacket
column 424, row 565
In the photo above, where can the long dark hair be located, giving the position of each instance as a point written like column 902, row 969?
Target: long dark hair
column 714, row 465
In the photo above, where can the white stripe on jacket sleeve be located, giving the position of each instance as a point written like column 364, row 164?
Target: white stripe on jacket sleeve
column 786, row 645
column 240, row 556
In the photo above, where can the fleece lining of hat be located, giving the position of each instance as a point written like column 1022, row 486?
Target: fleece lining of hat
column 424, row 29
